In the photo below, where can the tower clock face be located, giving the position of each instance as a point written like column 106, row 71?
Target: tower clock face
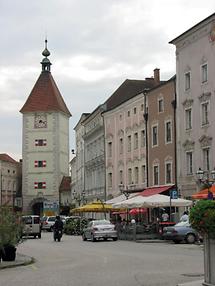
column 40, row 121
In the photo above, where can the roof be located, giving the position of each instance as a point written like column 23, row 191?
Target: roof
column 45, row 96
column 127, row 90
column 155, row 190
column 65, row 184
column 6, row 158
column 194, row 27
column 203, row 194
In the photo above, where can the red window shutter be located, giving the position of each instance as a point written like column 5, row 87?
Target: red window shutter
column 35, row 163
column 35, row 185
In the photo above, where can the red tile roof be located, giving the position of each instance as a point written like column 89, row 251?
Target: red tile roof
column 65, row 184
column 45, row 96
column 7, row 158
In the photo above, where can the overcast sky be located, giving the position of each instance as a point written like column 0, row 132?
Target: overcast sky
column 95, row 45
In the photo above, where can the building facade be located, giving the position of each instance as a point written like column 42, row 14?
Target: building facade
column 10, row 181
column 45, row 142
column 77, row 164
column 195, row 69
column 94, row 156
column 125, row 136
column 161, row 134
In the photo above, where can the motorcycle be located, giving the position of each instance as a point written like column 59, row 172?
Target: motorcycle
column 58, row 234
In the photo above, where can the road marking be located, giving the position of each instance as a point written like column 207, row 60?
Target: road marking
column 33, row 267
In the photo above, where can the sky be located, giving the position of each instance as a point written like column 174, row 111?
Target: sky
column 95, row 45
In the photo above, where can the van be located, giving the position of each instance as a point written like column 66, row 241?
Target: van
column 32, row 226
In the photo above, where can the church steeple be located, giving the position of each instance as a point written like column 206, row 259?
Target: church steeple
column 46, row 64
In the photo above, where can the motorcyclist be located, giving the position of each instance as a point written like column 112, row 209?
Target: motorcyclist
column 58, row 228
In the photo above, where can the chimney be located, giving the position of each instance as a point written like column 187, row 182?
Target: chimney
column 157, row 76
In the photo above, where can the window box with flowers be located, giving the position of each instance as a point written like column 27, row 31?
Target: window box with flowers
column 202, row 218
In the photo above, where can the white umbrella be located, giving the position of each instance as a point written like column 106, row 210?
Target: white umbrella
column 153, row 201
column 131, row 203
column 164, row 201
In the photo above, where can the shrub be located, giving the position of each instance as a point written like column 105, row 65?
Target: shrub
column 10, row 227
column 202, row 217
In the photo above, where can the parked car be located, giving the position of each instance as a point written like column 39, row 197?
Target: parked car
column 48, row 222
column 32, row 226
column 182, row 231
column 97, row 229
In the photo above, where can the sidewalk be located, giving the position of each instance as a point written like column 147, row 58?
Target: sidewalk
column 20, row 260
column 194, row 283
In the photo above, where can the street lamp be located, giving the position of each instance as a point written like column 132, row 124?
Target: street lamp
column 79, row 197
column 124, row 190
column 206, row 178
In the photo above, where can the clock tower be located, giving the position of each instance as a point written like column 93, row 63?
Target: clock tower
column 45, row 142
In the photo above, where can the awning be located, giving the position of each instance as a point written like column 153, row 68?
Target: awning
column 203, row 194
column 155, row 190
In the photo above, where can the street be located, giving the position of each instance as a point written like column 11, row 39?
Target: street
column 73, row 262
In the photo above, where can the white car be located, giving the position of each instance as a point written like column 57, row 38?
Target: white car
column 48, row 222
column 98, row 229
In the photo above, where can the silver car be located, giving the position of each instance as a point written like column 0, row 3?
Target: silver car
column 182, row 231
column 98, row 229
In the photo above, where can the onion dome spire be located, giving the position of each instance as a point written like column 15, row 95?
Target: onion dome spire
column 46, row 64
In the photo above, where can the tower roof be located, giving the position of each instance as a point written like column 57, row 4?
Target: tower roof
column 45, row 95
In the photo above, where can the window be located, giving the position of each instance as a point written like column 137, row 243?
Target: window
column 143, row 138
column 39, row 185
column 120, row 117
column 135, row 140
column 154, row 136
column 109, row 149
column 187, row 80
column 40, row 163
column 141, row 107
column 160, row 105
column 168, row 131
column 121, row 176
column 129, row 143
column 206, row 159
column 136, row 175
column 40, row 142
column 110, row 180
column 204, row 73
column 129, row 113
column 121, row 146
column 188, row 119
column 143, row 171
column 205, row 108
column 168, row 173
column 129, row 176
column 156, row 175
column 189, row 161
column 135, row 110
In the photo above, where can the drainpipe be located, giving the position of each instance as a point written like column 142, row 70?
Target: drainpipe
column 174, row 105
column 145, row 115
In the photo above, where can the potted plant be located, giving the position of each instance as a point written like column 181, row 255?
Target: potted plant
column 10, row 233
column 202, row 218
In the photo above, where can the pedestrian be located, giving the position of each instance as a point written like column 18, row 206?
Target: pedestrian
column 185, row 216
column 165, row 216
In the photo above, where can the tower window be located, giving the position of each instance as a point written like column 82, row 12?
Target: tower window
column 40, row 185
column 40, row 142
column 40, row 163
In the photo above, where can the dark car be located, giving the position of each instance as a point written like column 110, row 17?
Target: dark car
column 182, row 231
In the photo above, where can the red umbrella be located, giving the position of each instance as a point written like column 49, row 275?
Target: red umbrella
column 138, row 211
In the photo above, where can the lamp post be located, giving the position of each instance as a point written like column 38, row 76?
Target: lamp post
column 206, row 178
column 79, row 197
column 126, row 192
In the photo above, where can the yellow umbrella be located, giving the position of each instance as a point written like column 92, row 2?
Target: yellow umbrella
column 94, row 207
